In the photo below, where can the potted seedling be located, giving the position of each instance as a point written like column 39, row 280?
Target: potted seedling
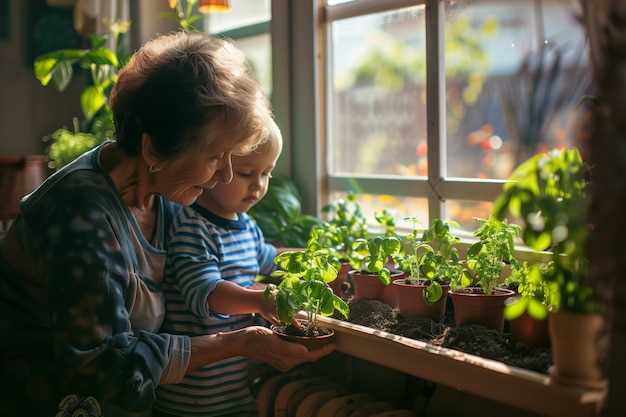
column 371, row 272
column 476, row 296
column 547, row 194
column 346, row 224
column 304, row 287
column 528, row 311
column 431, row 263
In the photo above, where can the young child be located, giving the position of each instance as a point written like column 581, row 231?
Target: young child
column 214, row 255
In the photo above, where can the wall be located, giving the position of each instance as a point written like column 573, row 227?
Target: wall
column 29, row 111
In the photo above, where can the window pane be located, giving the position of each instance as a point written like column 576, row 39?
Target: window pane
column 401, row 207
column 258, row 50
column 377, row 101
column 465, row 212
column 241, row 13
column 499, row 110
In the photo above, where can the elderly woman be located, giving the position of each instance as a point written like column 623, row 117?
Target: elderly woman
column 81, row 269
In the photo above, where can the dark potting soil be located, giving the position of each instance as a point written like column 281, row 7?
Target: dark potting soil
column 473, row 339
column 292, row 330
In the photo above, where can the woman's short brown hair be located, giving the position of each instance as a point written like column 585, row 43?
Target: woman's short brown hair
column 178, row 84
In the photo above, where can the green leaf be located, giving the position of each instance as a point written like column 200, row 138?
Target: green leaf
column 283, row 307
column 515, row 308
column 329, row 274
column 62, row 75
column 91, row 101
column 391, row 245
column 537, row 310
column 100, row 56
column 341, row 306
column 327, row 304
column 384, row 276
column 474, row 249
column 44, row 68
column 433, row 292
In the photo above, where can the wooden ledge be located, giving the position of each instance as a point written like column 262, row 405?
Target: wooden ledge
column 486, row 378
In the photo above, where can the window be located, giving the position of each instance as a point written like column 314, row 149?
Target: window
column 247, row 24
column 429, row 105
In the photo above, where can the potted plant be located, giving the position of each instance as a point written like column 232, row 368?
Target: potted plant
column 346, row 224
column 371, row 272
column 528, row 311
column 548, row 194
column 431, row 263
column 304, row 287
column 475, row 294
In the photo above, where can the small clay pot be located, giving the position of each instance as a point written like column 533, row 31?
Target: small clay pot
column 368, row 286
column 530, row 331
column 338, row 285
column 471, row 305
column 311, row 343
column 579, row 346
column 411, row 302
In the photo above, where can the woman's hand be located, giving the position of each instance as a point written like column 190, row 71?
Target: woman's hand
column 262, row 344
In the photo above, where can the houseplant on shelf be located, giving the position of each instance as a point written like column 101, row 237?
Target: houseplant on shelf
column 304, row 287
column 431, row 263
column 548, row 194
column 370, row 260
column 475, row 295
column 346, row 224
column 528, row 311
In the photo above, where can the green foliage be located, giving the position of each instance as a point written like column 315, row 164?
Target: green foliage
column 185, row 13
column 432, row 258
column 346, row 224
column 547, row 193
column 102, row 64
column 279, row 214
column 371, row 255
column 67, row 146
column 304, row 284
column 386, row 220
column 536, row 294
column 487, row 257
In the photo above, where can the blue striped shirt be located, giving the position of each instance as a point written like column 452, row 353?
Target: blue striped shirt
column 203, row 251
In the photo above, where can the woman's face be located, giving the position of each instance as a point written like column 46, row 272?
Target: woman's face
column 184, row 178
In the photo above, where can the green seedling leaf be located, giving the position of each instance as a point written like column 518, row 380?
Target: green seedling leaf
column 91, row 101
column 537, row 310
column 384, row 276
column 515, row 308
column 341, row 306
column 433, row 292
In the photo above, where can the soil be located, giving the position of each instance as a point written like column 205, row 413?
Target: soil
column 292, row 330
column 473, row 339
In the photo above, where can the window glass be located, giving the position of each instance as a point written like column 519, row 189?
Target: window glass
column 514, row 73
column 258, row 50
column 241, row 13
column 401, row 207
column 377, row 100
column 466, row 212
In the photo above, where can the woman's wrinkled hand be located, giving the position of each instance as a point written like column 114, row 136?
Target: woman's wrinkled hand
column 262, row 344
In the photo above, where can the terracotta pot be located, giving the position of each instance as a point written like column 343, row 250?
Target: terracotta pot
column 411, row 303
column 531, row 332
column 368, row 285
column 311, row 343
column 338, row 285
column 579, row 345
column 472, row 306
column 390, row 292
column 19, row 175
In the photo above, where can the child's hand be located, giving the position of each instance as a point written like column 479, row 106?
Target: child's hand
column 267, row 307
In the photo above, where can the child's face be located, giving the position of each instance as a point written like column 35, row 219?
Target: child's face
column 251, row 174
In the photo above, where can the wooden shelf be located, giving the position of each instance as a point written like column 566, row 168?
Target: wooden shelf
column 486, row 378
